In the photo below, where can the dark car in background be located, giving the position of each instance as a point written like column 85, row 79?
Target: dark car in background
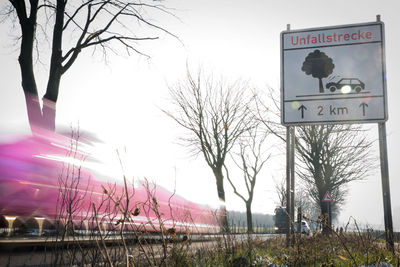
column 281, row 220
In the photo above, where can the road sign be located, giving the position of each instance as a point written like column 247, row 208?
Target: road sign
column 327, row 197
column 333, row 75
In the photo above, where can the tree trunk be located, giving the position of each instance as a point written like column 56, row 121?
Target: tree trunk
column 27, row 75
column 33, row 110
column 221, row 195
column 324, row 213
column 321, row 86
column 249, row 218
column 37, row 118
column 53, row 85
column 49, row 115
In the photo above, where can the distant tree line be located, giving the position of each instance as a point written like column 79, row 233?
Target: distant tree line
column 239, row 218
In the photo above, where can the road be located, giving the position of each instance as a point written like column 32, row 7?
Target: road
column 31, row 252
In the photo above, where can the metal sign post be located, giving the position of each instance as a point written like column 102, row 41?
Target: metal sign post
column 288, row 180
column 292, row 187
column 387, row 208
column 299, row 221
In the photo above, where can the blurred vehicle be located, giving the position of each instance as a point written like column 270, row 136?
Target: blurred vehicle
column 281, row 219
column 305, row 229
column 354, row 83
column 281, row 222
column 49, row 179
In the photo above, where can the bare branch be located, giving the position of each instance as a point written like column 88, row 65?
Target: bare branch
column 233, row 185
column 71, row 18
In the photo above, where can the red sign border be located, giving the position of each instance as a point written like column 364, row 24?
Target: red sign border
column 326, row 195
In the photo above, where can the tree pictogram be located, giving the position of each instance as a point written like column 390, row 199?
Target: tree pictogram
column 319, row 65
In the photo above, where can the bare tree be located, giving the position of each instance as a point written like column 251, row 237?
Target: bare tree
column 215, row 115
column 97, row 24
column 332, row 156
column 329, row 156
column 251, row 160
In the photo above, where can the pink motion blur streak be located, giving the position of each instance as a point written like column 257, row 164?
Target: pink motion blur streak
column 30, row 184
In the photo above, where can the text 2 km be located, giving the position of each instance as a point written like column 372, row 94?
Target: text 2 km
column 333, row 110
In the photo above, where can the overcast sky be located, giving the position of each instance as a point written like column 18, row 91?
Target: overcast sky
column 121, row 102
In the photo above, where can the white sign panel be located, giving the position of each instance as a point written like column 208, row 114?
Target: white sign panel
column 333, row 75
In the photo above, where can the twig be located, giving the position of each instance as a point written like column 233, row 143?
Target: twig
column 105, row 255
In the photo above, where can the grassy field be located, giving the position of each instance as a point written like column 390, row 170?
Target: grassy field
column 360, row 248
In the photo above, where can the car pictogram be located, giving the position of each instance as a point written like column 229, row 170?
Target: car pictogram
column 354, row 83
